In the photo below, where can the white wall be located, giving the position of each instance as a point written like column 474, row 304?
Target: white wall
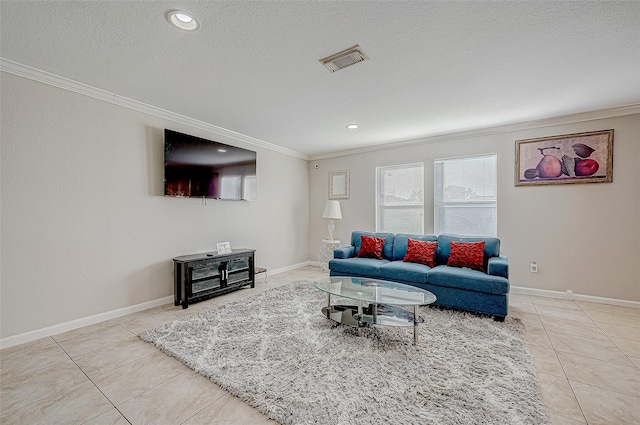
column 85, row 228
column 584, row 237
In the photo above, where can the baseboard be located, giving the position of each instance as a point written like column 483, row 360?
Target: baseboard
column 574, row 297
column 79, row 323
column 289, row 268
column 97, row 318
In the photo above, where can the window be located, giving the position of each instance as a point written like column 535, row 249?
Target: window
column 400, row 198
column 466, row 196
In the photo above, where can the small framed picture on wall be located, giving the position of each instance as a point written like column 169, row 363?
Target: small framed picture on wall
column 339, row 184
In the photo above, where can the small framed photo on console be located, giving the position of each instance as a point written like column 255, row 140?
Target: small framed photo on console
column 224, row 248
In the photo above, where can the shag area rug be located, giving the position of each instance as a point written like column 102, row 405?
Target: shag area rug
column 276, row 351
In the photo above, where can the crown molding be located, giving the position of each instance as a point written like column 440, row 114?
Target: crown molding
column 489, row 131
column 35, row 74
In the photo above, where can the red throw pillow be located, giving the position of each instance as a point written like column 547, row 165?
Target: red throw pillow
column 422, row 252
column 467, row 254
column 371, row 247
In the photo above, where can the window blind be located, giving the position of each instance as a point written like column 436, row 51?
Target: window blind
column 466, row 198
column 400, row 198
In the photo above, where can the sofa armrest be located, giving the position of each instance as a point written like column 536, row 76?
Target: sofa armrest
column 344, row 252
column 498, row 266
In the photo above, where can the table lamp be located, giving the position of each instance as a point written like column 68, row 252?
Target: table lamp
column 332, row 212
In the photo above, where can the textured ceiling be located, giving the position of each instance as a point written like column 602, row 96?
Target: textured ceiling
column 252, row 67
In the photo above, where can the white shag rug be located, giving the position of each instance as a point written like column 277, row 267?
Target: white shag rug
column 276, row 351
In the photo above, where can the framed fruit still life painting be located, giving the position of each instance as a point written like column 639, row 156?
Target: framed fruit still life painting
column 570, row 158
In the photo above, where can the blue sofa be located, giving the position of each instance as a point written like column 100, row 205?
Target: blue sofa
column 454, row 287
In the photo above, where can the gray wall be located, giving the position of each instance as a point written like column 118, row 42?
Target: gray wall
column 584, row 237
column 85, row 228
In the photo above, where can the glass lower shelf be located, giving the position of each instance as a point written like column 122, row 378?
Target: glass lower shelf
column 372, row 315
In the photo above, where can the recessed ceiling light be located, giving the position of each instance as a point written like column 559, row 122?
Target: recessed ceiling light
column 182, row 20
column 352, row 126
column 222, row 150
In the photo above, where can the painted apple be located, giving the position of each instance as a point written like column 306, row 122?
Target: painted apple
column 586, row 167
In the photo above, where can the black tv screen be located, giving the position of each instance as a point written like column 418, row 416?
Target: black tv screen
column 200, row 168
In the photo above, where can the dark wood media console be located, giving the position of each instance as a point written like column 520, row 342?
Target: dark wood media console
column 201, row 276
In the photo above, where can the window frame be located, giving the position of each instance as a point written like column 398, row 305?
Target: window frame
column 378, row 210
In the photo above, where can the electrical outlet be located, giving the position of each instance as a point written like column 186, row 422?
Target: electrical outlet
column 533, row 267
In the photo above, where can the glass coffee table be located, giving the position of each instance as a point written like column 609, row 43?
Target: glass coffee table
column 377, row 302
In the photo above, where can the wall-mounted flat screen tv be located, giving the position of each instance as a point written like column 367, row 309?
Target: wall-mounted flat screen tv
column 200, row 168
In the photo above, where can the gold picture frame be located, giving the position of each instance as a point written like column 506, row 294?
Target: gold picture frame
column 569, row 158
column 339, row 184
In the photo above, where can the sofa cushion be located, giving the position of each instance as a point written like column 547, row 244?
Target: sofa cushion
column 467, row 254
column 387, row 248
column 471, row 280
column 422, row 252
column 356, row 266
column 404, row 272
column 371, row 247
column 491, row 247
column 400, row 243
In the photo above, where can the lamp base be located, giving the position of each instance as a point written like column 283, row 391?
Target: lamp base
column 331, row 227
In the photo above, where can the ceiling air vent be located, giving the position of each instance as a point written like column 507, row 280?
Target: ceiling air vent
column 344, row 59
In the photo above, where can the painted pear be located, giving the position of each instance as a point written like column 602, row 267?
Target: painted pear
column 549, row 167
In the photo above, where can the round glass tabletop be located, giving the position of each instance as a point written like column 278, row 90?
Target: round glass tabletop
column 375, row 291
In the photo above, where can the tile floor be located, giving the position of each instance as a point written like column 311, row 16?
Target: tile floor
column 587, row 356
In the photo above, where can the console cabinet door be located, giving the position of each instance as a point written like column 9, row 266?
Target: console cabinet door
column 204, row 279
column 238, row 271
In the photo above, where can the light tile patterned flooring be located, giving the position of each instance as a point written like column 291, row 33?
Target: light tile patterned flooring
column 587, row 356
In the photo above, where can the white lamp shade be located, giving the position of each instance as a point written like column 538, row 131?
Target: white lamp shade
column 332, row 210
